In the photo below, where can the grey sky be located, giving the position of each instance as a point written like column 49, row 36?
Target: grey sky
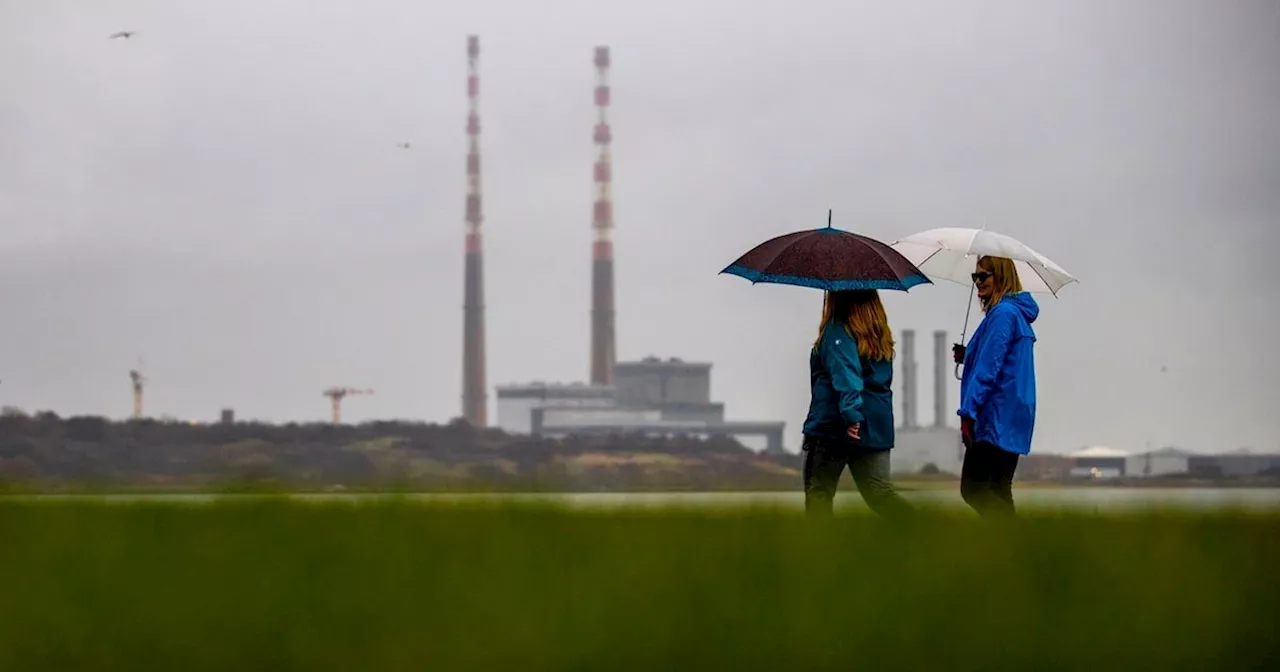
column 223, row 195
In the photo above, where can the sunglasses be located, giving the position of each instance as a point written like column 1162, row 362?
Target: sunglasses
column 980, row 276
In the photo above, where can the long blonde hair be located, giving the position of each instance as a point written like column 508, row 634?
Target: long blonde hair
column 862, row 316
column 1004, row 279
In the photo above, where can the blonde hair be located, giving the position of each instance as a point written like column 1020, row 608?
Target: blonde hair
column 1004, row 279
column 862, row 315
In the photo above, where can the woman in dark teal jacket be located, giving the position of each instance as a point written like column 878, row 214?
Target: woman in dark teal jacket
column 850, row 419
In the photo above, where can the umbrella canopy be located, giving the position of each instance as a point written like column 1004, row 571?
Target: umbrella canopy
column 829, row 259
column 952, row 254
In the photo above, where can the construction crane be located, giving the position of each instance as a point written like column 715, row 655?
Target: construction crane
column 336, row 395
column 138, row 381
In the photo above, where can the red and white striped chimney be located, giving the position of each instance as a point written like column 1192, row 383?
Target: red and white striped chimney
column 603, row 355
column 474, row 399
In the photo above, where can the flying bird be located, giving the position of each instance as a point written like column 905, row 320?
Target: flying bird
column 402, row 145
column 126, row 34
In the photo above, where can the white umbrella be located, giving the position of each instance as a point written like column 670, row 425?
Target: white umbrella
column 951, row 253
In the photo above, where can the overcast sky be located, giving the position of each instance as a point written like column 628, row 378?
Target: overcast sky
column 223, row 196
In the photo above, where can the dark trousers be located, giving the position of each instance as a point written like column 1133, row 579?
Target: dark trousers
column 986, row 479
column 824, row 462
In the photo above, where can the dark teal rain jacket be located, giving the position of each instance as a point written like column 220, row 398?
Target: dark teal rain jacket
column 847, row 389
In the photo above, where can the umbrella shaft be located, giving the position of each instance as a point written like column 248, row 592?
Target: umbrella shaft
column 967, row 310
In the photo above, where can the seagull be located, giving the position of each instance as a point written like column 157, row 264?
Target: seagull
column 126, row 34
column 402, row 145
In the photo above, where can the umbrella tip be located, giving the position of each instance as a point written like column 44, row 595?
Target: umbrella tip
column 828, row 218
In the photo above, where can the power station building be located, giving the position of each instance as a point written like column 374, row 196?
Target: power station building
column 652, row 397
column 669, row 397
column 938, row 444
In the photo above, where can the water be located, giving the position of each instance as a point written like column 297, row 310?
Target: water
column 1085, row 499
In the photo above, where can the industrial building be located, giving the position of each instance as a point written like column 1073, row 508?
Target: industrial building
column 1167, row 461
column 652, row 396
column 1103, row 462
column 1236, row 463
column 917, row 447
column 1098, row 462
column 516, row 403
column 1043, row 466
column 655, row 397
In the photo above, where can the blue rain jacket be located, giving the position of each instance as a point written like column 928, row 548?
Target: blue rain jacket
column 998, row 386
column 848, row 389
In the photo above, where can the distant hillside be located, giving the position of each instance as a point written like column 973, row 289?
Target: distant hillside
column 47, row 453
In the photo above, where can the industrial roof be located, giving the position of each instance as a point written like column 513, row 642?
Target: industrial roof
column 1171, row 451
column 1099, row 452
column 541, row 385
column 655, row 362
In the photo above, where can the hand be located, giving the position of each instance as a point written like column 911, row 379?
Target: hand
column 853, row 433
column 957, row 353
column 966, row 432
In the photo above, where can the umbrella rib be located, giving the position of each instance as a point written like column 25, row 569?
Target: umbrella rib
column 926, row 259
column 1043, row 279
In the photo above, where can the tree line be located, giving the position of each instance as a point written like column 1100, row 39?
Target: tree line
column 43, row 451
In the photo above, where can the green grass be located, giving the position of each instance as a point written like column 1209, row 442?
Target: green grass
column 274, row 585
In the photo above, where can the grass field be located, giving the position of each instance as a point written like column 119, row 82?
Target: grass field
column 397, row 586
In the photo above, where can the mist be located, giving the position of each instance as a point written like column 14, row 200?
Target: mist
column 223, row 196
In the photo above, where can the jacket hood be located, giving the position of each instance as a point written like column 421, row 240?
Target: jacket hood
column 1024, row 304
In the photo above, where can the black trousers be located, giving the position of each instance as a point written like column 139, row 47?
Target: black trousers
column 986, row 479
column 824, row 462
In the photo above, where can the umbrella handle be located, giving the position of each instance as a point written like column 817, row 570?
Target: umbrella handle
column 968, row 309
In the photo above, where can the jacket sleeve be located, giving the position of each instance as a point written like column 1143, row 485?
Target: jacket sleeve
column 840, row 353
column 988, row 358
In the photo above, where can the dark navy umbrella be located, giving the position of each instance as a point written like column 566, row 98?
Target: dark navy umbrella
column 828, row 259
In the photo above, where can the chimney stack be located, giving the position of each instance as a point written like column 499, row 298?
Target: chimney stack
column 941, row 362
column 603, row 355
column 474, row 400
column 909, row 379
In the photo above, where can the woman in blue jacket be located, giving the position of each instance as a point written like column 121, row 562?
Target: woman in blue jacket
column 998, row 388
column 850, row 419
